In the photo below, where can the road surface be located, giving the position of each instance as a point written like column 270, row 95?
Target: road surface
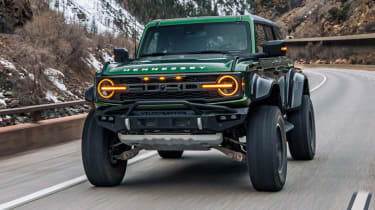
column 344, row 104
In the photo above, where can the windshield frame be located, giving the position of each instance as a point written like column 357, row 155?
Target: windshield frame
column 149, row 30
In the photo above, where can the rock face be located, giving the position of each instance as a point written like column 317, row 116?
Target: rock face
column 14, row 13
column 312, row 18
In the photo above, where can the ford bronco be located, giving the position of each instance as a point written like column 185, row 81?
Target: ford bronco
column 204, row 83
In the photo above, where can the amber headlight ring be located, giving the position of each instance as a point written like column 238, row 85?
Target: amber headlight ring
column 107, row 88
column 226, row 79
column 226, row 85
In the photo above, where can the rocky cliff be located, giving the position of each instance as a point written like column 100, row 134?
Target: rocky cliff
column 313, row 18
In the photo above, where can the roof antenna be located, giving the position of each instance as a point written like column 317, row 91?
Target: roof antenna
column 135, row 38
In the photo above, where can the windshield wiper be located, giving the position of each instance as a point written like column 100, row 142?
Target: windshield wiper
column 209, row 52
column 181, row 53
column 154, row 54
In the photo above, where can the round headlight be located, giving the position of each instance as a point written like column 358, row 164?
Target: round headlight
column 104, row 88
column 228, row 79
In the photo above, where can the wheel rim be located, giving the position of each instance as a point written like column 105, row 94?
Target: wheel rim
column 280, row 150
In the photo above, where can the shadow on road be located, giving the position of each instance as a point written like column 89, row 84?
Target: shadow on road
column 214, row 172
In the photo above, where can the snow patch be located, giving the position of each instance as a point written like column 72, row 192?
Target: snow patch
column 101, row 16
column 107, row 57
column 51, row 97
column 7, row 64
column 56, row 77
column 2, row 101
column 94, row 62
column 32, row 77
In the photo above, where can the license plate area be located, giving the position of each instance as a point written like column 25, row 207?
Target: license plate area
column 163, row 123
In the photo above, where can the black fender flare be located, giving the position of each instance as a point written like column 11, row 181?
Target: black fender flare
column 264, row 88
column 300, row 87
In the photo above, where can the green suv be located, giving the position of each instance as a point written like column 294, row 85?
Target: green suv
column 202, row 83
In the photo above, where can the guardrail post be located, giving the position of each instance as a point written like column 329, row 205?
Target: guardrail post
column 36, row 116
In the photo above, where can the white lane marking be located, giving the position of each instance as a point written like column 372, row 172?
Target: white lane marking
column 321, row 83
column 62, row 186
column 360, row 201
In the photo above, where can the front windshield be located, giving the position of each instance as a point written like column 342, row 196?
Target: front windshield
column 228, row 37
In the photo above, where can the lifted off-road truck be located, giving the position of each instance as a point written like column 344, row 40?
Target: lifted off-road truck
column 198, row 84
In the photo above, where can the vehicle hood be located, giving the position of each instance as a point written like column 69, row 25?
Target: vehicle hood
column 176, row 64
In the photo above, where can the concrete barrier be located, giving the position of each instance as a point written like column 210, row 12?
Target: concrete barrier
column 23, row 137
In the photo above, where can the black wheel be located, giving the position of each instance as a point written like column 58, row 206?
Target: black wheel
column 266, row 148
column 170, row 154
column 101, row 169
column 302, row 140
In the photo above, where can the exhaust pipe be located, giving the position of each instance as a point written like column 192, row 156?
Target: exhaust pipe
column 129, row 154
column 234, row 155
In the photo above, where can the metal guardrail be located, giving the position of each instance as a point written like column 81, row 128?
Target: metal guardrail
column 36, row 109
column 334, row 38
column 361, row 40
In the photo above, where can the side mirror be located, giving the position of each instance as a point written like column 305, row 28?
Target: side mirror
column 275, row 48
column 121, row 55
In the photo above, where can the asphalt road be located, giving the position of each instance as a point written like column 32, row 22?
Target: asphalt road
column 344, row 164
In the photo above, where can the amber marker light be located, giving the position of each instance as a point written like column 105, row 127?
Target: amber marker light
column 162, row 78
column 146, row 79
column 178, row 78
column 284, row 49
column 107, row 88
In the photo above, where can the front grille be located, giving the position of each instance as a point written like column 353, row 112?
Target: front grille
column 189, row 88
column 188, row 95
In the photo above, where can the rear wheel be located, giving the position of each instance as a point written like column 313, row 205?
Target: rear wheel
column 302, row 140
column 101, row 169
column 170, row 154
column 266, row 149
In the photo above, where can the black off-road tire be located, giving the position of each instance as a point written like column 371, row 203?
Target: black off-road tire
column 101, row 170
column 170, row 154
column 266, row 148
column 302, row 139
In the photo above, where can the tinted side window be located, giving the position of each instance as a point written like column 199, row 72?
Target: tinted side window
column 260, row 37
column 277, row 33
column 269, row 33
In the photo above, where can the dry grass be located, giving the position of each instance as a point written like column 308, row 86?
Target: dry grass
column 49, row 42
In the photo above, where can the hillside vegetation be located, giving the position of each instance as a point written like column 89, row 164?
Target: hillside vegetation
column 46, row 59
column 298, row 18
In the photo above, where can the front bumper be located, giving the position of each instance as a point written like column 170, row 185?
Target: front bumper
column 191, row 118
column 173, row 142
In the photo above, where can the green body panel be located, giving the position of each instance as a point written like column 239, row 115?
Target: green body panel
column 171, row 66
